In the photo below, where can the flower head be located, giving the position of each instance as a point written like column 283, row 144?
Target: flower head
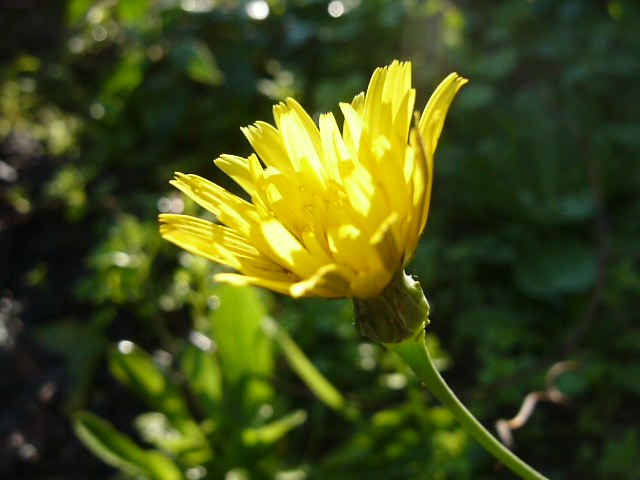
column 331, row 213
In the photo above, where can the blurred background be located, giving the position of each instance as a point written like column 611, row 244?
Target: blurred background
column 531, row 255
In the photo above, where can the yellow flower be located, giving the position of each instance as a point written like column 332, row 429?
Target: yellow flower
column 331, row 213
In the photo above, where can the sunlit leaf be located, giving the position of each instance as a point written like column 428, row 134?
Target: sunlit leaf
column 135, row 369
column 120, row 451
column 202, row 373
column 199, row 63
column 244, row 350
column 133, row 11
column 126, row 76
column 305, row 369
column 156, row 429
column 273, row 431
column 77, row 8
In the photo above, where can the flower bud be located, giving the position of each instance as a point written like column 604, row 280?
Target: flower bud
column 401, row 311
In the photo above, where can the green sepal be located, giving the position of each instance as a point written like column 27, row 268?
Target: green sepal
column 398, row 313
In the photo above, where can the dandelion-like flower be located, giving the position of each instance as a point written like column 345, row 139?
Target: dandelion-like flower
column 338, row 214
column 331, row 213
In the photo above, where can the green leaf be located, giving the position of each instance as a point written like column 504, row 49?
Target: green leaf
column 202, row 372
column 76, row 9
column 198, row 62
column 134, row 368
column 120, row 451
column 498, row 64
column 156, row 429
column 306, row 370
column 245, row 352
column 82, row 358
column 623, row 134
column 476, row 96
column 552, row 267
column 274, row 431
column 126, row 76
column 562, row 208
column 133, row 12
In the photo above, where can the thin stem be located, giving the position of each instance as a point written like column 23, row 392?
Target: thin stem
column 415, row 354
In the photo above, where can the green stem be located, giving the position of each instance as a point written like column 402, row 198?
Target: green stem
column 414, row 352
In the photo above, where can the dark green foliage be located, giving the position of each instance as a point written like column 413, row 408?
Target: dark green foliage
column 531, row 255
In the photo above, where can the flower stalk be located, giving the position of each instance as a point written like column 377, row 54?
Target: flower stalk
column 415, row 354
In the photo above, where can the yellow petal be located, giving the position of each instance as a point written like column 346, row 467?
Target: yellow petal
column 316, row 245
column 371, row 284
column 238, row 169
column 268, row 144
column 359, row 188
column 357, row 104
column 385, row 245
column 397, row 92
column 280, row 286
column 287, row 249
column 383, row 160
column 302, row 142
column 230, row 209
column 333, row 147
column 220, row 244
column 435, row 112
column 351, row 129
column 377, row 112
column 404, row 115
column 284, row 199
column 348, row 246
column 330, row 281
column 420, row 187
column 200, row 238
